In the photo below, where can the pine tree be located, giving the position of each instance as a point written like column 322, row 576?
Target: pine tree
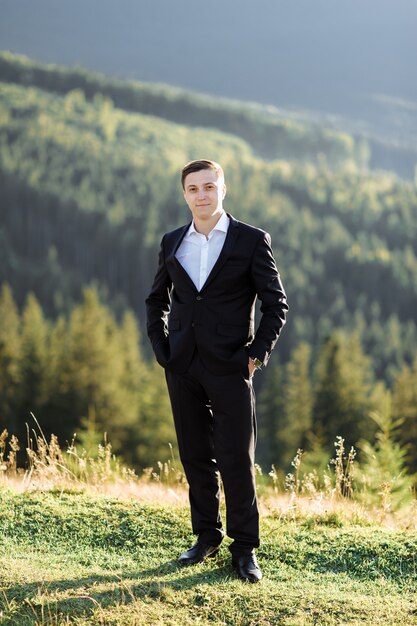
column 298, row 403
column 343, row 394
column 92, row 371
column 405, row 408
column 133, row 374
column 156, row 432
column 56, row 412
column 33, row 363
column 134, row 366
column 271, row 416
column 382, row 476
column 10, row 347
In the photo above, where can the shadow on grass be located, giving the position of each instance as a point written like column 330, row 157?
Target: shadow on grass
column 84, row 595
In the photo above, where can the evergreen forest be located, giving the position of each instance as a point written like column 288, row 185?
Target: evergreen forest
column 89, row 182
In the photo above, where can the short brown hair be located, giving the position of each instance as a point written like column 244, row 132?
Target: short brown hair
column 201, row 164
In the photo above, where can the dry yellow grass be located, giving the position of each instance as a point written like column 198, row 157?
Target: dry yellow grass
column 51, row 469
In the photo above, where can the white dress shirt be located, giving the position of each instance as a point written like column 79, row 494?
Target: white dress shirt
column 198, row 253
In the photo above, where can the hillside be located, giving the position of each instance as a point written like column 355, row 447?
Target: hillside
column 348, row 65
column 76, row 172
column 88, row 189
column 79, row 559
column 270, row 133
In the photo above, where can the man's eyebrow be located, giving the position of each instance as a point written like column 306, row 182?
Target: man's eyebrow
column 193, row 185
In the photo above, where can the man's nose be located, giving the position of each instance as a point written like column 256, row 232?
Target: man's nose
column 201, row 193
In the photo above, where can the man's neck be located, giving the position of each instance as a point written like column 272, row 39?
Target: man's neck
column 204, row 227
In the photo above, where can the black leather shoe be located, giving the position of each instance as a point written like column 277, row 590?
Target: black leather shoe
column 247, row 567
column 198, row 553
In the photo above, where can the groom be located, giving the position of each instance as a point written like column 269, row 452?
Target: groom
column 200, row 321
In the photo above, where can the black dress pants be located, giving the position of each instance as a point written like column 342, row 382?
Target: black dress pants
column 216, row 430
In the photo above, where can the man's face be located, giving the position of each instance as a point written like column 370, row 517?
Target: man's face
column 204, row 193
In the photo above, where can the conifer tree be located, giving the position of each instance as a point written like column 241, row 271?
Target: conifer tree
column 10, row 347
column 33, row 363
column 56, row 411
column 271, row 416
column 383, row 476
column 343, row 394
column 134, row 366
column 405, row 409
column 298, row 403
column 150, row 435
column 92, row 370
column 155, row 427
column 134, row 372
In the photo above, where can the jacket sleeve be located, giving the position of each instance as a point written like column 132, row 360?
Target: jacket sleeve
column 270, row 291
column 158, row 305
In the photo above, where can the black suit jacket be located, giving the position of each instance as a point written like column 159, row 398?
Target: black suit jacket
column 219, row 319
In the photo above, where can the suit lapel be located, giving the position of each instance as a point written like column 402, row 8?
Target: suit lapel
column 172, row 258
column 226, row 251
column 177, row 242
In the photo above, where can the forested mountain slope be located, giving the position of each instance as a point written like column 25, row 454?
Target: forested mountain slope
column 271, row 133
column 88, row 189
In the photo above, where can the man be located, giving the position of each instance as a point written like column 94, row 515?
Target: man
column 201, row 325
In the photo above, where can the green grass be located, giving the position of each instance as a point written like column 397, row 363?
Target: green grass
column 74, row 558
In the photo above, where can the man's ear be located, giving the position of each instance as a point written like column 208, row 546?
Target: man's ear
column 224, row 190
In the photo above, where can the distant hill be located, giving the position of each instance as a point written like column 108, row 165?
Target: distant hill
column 269, row 132
column 348, row 66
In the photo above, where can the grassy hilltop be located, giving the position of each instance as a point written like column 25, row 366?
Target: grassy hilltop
column 74, row 558
column 84, row 541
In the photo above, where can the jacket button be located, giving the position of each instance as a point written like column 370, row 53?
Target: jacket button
column 199, row 298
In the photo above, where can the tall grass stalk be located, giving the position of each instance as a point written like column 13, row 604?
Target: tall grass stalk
column 304, row 495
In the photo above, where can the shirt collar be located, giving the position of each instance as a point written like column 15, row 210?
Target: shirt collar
column 222, row 225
